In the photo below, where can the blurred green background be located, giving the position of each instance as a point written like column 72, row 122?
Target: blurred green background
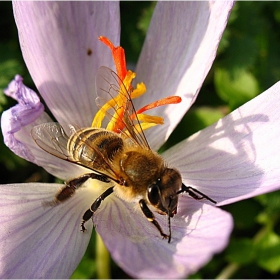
column 248, row 62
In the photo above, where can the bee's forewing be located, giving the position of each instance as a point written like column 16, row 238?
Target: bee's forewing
column 52, row 138
column 108, row 87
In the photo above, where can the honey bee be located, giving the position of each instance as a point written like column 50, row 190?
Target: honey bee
column 123, row 159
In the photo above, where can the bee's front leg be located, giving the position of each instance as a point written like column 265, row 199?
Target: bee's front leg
column 151, row 218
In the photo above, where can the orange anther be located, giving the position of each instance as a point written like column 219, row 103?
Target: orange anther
column 163, row 101
column 118, row 56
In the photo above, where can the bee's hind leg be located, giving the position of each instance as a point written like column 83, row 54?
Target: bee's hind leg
column 89, row 213
column 72, row 185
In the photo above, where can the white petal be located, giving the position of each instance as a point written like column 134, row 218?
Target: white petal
column 179, row 49
column 60, row 46
column 38, row 242
column 239, row 156
column 198, row 232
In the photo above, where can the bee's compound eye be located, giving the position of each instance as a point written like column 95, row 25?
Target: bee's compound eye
column 153, row 194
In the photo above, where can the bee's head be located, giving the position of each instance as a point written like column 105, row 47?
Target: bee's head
column 162, row 194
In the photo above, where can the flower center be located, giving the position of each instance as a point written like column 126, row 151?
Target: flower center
column 119, row 101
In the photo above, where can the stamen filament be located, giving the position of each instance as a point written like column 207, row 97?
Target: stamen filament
column 150, row 119
column 139, row 90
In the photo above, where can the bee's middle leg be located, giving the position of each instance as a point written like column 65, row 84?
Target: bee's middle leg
column 89, row 213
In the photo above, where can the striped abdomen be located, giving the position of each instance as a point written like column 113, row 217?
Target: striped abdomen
column 92, row 147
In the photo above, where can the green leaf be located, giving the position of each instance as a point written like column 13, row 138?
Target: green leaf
column 135, row 18
column 241, row 251
column 268, row 252
column 235, row 88
column 145, row 18
column 87, row 267
column 85, row 270
column 244, row 213
column 271, row 201
column 8, row 69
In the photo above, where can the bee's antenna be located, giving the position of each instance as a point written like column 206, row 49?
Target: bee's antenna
column 169, row 227
column 169, row 220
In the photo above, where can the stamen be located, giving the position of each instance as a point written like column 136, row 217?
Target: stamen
column 118, row 56
column 100, row 115
column 164, row 101
column 119, row 102
column 139, row 90
column 145, row 126
column 150, row 119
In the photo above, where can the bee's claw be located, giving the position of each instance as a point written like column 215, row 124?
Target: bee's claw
column 166, row 236
column 83, row 227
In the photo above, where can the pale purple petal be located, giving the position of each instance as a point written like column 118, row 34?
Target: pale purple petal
column 28, row 109
column 38, row 242
column 60, row 46
column 198, row 231
column 58, row 167
column 239, row 156
column 16, row 124
column 179, row 49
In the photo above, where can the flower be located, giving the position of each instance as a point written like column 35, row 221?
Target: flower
column 226, row 161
